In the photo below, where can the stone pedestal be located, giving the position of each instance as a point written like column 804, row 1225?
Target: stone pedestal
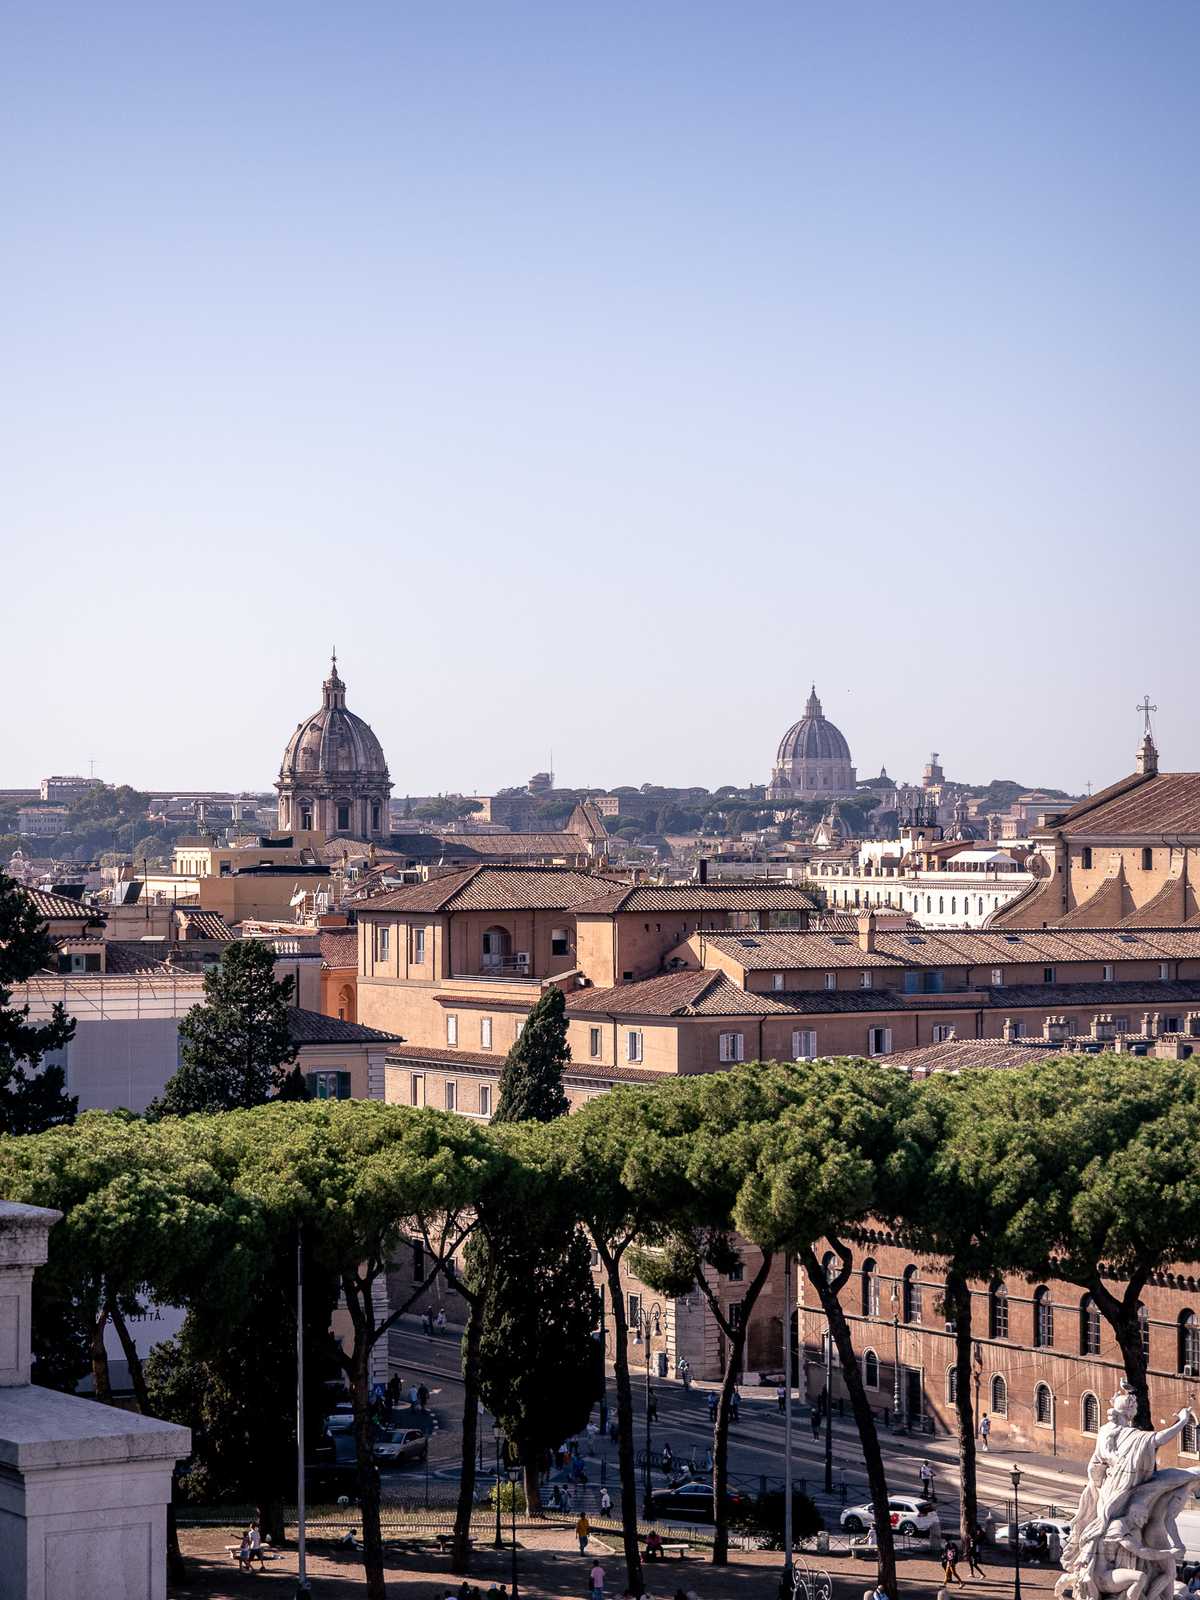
column 84, row 1488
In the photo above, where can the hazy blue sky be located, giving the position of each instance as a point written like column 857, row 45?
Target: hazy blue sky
column 596, row 376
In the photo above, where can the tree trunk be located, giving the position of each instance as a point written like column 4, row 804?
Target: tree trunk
column 827, row 1293
column 532, row 1459
column 1121, row 1316
column 460, row 1557
column 101, row 1381
column 368, row 1480
column 176, row 1566
column 736, row 1349
column 958, row 1304
column 625, row 1456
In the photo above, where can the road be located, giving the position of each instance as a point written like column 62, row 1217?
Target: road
column 756, row 1441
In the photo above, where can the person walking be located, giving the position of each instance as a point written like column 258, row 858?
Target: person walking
column 950, row 1564
column 439, row 1321
column 605, row 1503
column 597, row 1577
column 815, row 1422
column 712, row 1405
column 974, row 1570
column 422, row 1396
column 583, row 1529
column 926, row 1477
column 781, row 1399
column 985, row 1430
column 653, row 1406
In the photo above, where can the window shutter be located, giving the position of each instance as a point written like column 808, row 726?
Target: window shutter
column 343, row 1086
column 310, row 1083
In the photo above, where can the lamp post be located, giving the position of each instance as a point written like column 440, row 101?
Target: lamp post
column 497, row 1435
column 1016, row 1523
column 514, row 1475
column 787, row 1423
column 302, row 1586
column 897, row 1392
column 828, row 1412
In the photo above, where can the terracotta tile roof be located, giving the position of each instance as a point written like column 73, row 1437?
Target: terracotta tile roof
column 205, row 924
column 689, row 993
column 701, row 897
column 480, row 1062
column 953, row 1055
column 948, row 947
column 1152, row 995
column 127, row 957
column 52, row 906
column 527, row 844
column 314, row 1027
column 339, row 947
column 1168, row 803
column 496, row 888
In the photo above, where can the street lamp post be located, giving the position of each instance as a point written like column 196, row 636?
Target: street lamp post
column 897, row 1392
column 828, row 1412
column 1016, row 1524
column 497, row 1435
column 514, row 1474
column 787, row 1422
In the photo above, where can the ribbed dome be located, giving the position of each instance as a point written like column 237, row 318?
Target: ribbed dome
column 333, row 740
column 812, row 738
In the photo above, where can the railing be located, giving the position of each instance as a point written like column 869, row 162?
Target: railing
column 509, row 967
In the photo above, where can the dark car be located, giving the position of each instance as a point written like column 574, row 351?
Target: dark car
column 691, row 1500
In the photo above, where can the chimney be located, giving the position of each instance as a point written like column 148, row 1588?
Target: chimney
column 866, row 932
column 702, row 870
column 1009, row 1031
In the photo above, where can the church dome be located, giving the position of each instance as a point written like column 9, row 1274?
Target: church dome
column 333, row 740
column 334, row 777
column 812, row 738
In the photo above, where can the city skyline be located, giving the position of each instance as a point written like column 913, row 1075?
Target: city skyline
column 597, row 383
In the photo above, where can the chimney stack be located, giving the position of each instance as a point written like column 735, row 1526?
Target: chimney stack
column 866, row 932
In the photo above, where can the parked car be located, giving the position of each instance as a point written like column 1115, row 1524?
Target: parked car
column 339, row 1422
column 395, row 1445
column 906, row 1513
column 1031, row 1529
column 691, row 1500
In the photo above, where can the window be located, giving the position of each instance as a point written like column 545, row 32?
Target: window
column 385, row 943
column 418, row 946
column 997, row 1311
column 1085, row 858
column 418, row 1263
column 518, row 1027
column 1143, row 1319
column 1147, row 859
column 1043, row 1318
column 864, row 980
column 831, row 980
column 732, row 1047
column 911, row 1296
column 328, row 1085
column 451, row 1028
column 343, row 816
column 1107, row 972
column 870, row 1289
column 804, row 1044
column 1043, row 1406
column 485, row 1099
column 829, row 1266
column 1189, row 1344
column 593, row 1042
column 953, row 905
column 1187, row 1440
column 485, row 1033
column 737, row 1271
column 777, row 981
column 560, row 943
column 1164, row 970
column 997, row 976
column 1089, row 1327
column 375, row 816
column 941, row 1032
column 870, row 1369
column 951, row 1386
column 634, row 1315
column 416, row 1088
column 879, row 1041
column 999, row 1397
column 633, row 1045
column 1089, row 1414
column 1047, row 974
column 941, row 904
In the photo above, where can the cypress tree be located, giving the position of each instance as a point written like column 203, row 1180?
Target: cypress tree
column 531, row 1079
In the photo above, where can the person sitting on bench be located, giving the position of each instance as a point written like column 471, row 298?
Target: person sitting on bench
column 654, row 1546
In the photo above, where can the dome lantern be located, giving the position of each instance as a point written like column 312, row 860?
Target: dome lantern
column 334, row 776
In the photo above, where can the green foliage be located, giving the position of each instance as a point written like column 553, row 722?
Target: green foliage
column 153, row 850
column 531, row 1079
column 508, row 1491
column 105, row 806
column 763, row 1518
column 235, row 1047
column 32, row 1097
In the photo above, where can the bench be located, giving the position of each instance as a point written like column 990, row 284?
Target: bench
column 676, row 1547
column 446, row 1540
column 265, row 1551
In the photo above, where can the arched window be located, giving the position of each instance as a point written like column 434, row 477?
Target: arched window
column 1189, row 1343
column 999, row 1397
column 980, row 911
column 870, row 1369
column 912, row 1295
column 952, row 1385
column 870, row 1289
column 941, row 904
column 829, row 1265
column 1043, row 1317
column 1089, row 1327
column 1043, row 1405
column 997, row 1311
column 1189, row 1445
column 1090, row 1414
column 1143, row 1317
column 953, row 905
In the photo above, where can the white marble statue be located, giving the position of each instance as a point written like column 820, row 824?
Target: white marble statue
column 1124, row 1540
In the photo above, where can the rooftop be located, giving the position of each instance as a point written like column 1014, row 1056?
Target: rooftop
column 495, row 888
column 932, row 947
column 689, row 993
column 313, row 1027
column 1167, row 803
column 701, row 897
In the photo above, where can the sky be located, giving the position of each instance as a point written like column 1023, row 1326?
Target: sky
column 596, row 378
